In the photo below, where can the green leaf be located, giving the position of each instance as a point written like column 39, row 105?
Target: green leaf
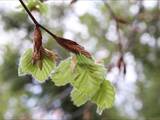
column 63, row 73
column 97, row 71
column 78, row 97
column 26, row 66
column 88, row 78
column 36, row 5
column 81, row 59
column 104, row 97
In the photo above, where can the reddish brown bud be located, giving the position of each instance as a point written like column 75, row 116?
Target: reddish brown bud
column 73, row 46
column 38, row 49
column 37, row 38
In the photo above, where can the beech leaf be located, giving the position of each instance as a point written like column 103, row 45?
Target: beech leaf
column 27, row 67
column 78, row 97
column 63, row 73
column 104, row 98
column 88, row 78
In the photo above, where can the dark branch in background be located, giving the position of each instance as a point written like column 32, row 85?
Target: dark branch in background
column 158, row 9
column 65, row 43
column 134, row 28
column 120, row 63
column 117, row 20
column 73, row 1
column 110, row 9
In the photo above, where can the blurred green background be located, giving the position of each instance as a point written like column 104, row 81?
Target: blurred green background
column 90, row 24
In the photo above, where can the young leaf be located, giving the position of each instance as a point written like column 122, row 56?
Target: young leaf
column 78, row 97
column 88, row 78
column 104, row 98
column 27, row 67
column 96, row 70
column 63, row 73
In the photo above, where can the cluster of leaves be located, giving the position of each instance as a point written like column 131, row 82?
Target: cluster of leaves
column 88, row 81
column 86, row 77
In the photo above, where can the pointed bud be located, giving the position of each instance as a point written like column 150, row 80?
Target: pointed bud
column 72, row 46
column 38, row 49
column 37, row 38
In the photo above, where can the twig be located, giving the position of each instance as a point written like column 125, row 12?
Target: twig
column 113, row 15
column 110, row 9
column 49, row 32
column 136, row 19
column 121, row 63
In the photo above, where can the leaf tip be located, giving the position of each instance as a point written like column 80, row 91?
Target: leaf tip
column 99, row 111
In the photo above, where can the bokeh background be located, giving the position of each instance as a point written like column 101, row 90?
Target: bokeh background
column 89, row 23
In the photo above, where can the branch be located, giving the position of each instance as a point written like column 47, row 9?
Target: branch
column 65, row 43
column 117, row 20
column 135, row 20
column 121, row 63
column 110, row 9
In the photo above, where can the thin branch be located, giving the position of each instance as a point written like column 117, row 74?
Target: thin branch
column 113, row 15
column 49, row 32
column 121, row 63
column 136, row 19
column 110, row 9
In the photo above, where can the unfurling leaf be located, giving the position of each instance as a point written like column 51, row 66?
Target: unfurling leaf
column 104, row 98
column 27, row 67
